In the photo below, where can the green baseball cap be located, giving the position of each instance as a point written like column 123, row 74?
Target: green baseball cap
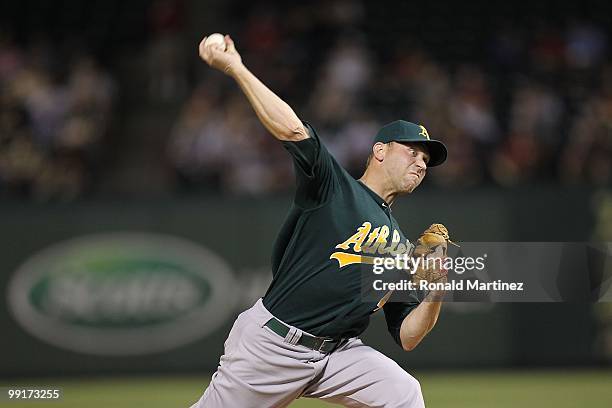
column 403, row 131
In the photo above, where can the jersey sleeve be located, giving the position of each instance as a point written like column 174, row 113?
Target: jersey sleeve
column 395, row 312
column 315, row 170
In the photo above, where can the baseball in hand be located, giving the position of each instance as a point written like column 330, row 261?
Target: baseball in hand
column 215, row 39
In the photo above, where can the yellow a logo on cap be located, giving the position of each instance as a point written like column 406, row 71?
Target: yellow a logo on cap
column 423, row 132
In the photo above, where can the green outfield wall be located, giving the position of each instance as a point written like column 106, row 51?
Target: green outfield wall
column 142, row 286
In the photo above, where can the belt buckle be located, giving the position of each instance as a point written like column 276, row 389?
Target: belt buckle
column 320, row 348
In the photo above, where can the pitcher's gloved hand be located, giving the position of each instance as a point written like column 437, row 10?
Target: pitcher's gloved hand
column 431, row 248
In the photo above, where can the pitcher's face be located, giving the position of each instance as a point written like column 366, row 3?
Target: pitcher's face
column 406, row 165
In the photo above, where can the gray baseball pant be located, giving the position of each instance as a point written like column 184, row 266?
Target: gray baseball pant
column 261, row 369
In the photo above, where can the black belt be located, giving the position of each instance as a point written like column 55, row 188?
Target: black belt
column 322, row 344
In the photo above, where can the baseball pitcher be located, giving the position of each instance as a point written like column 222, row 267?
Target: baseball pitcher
column 302, row 338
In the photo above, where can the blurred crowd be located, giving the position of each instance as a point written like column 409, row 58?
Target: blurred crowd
column 535, row 107
column 533, row 104
column 54, row 118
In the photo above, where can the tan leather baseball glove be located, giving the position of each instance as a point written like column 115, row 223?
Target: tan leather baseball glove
column 431, row 248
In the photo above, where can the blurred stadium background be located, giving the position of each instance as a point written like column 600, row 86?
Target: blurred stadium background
column 139, row 195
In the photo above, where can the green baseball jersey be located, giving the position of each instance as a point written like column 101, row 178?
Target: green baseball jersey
column 335, row 228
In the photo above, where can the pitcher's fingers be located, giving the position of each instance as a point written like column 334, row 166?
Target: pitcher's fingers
column 229, row 43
